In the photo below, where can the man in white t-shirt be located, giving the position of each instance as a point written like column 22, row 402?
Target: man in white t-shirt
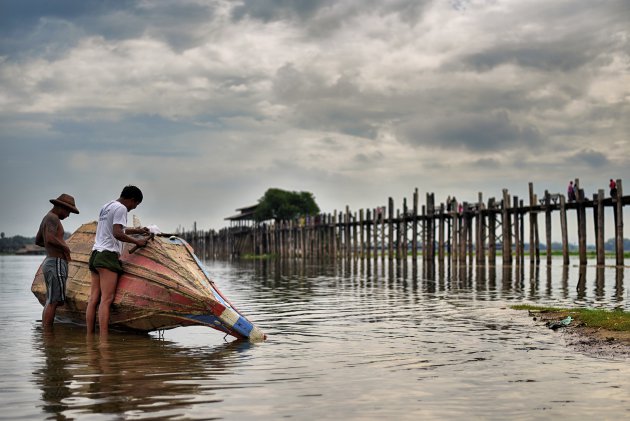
column 105, row 266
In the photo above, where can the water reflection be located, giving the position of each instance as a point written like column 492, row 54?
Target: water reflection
column 599, row 283
column 54, row 375
column 125, row 374
column 544, row 284
column 619, row 284
column 581, row 284
column 565, row 282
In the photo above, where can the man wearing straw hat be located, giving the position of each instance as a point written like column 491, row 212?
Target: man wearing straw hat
column 55, row 266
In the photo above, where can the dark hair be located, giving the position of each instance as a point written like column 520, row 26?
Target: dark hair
column 131, row 192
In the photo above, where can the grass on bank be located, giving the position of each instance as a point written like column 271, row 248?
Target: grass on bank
column 267, row 256
column 614, row 320
column 590, row 254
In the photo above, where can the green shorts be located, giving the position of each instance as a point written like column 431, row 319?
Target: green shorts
column 106, row 260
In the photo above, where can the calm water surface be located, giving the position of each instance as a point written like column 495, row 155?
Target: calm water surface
column 345, row 342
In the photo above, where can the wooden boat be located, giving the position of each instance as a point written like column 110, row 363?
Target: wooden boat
column 164, row 285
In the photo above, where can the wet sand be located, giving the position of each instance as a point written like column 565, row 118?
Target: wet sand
column 596, row 342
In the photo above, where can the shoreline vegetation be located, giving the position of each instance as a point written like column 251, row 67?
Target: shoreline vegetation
column 614, row 320
column 22, row 246
column 598, row 332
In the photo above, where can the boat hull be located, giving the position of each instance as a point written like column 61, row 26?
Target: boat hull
column 164, row 285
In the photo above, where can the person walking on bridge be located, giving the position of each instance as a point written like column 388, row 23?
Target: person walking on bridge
column 571, row 192
column 613, row 188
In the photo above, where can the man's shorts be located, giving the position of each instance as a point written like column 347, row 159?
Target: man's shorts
column 55, row 274
column 105, row 260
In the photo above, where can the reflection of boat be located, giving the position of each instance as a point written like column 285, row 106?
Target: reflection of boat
column 164, row 286
column 125, row 376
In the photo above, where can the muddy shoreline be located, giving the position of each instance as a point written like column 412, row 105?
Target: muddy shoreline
column 598, row 343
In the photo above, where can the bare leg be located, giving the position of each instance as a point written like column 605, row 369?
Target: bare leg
column 95, row 296
column 48, row 315
column 109, row 281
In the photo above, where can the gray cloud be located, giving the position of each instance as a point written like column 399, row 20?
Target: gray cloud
column 207, row 104
column 326, row 15
column 591, row 157
column 544, row 57
column 269, row 10
column 486, row 163
column 479, row 132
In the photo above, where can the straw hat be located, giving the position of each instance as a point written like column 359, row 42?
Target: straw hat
column 66, row 201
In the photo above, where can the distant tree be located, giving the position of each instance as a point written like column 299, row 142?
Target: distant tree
column 611, row 244
column 1, row 234
column 278, row 204
column 10, row 245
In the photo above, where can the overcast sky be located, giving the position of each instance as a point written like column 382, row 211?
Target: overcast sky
column 206, row 104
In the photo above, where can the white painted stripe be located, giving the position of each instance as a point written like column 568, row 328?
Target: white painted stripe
column 229, row 317
column 59, row 280
column 256, row 335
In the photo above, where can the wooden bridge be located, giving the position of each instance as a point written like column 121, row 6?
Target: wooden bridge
column 471, row 232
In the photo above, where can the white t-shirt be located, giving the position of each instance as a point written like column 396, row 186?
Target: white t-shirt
column 112, row 213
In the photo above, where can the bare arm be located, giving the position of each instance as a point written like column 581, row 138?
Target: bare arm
column 39, row 238
column 120, row 235
column 50, row 236
column 143, row 230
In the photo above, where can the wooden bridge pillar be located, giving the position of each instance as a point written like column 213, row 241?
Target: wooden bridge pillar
column 441, row 234
column 480, row 232
column 375, row 234
column 518, row 249
column 492, row 234
column 414, row 227
column 463, row 237
column 548, row 243
column 361, row 244
column 390, row 229
column 598, row 214
column 430, row 229
column 404, row 237
column 454, row 252
column 506, row 229
column 581, row 218
column 534, row 247
column 619, row 224
column 368, row 234
column 563, row 229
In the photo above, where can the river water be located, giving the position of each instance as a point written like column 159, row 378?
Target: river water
column 346, row 341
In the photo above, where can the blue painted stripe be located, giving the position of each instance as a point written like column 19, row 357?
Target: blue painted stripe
column 243, row 326
column 208, row 319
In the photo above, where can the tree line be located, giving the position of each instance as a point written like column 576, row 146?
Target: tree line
column 11, row 245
